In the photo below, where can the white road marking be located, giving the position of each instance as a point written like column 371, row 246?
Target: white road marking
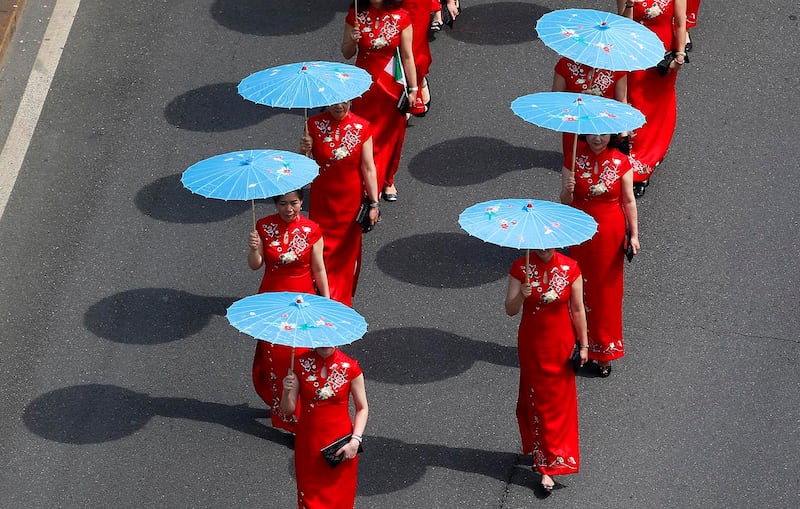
column 30, row 106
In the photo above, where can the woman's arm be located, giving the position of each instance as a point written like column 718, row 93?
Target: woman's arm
column 679, row 26
column 318, row 268
column 621, row 89
column 559, row 83
column 350, row 40
column 578, row 313
column 629, row 207
column 516, row 295
column 255, row 258
column 625, row 8
column 359, row 394
column 290, row 391
column 370, row 176
column 407, row 58
column 452, row 8
column 567, row 186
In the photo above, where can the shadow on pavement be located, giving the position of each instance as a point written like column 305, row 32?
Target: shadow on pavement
column 389, row 465
column 497, row 23
column 418, row 355
column 445, row 260
column 217, row 108
column 167, row 200
column 150, row 316
column 95, row 413
column 275, row 17
column 475, row 160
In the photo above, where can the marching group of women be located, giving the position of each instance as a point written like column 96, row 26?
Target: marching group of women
column 358, row 146
column 579, row 298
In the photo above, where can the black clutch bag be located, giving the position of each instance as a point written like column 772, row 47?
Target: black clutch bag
column 447, row 19
column 627, row 248
column 669, row 56
column 362, row 217
column 329, row 452
column 403, row 103
column 575, row 358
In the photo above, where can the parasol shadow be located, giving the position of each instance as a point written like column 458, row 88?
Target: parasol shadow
column 151, row 316
column 497, row 23
column 167, row 200
column 275, row 17
column 475, row 160
column 419, row 355
column 217, row 108
column 445, row 260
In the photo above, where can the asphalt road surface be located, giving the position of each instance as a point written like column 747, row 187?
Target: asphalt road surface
column 122, row 384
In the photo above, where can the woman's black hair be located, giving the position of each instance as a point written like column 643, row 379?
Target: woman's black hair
column 612, row 142
column 298, row 191
column 363, row 5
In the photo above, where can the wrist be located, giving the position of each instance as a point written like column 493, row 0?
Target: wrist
column 357, row 438
column 374, row 204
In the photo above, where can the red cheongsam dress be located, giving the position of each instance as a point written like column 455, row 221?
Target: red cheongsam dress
column 598, row 192
column 287, row 268
column 692, row 9
column 380, row 37
column 324, row 417
column 582, row 79
column 336, row 195
column 420, row 12
column 653, row 94
column 547, row 405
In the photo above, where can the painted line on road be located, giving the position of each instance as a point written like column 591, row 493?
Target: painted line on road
column 32, row 102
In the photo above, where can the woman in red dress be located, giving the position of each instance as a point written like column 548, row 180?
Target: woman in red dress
column 649, row 91
column 548, row 289
column 420, row 12
column 602, row 186
column 325, row 380
column 289, row 247
column 571, row 76
column 342, row 144
column 376, row 32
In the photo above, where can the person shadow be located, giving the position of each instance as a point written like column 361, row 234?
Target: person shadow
column 98, row 413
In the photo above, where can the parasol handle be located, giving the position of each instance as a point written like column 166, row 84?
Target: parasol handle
column 527, row 263
column 574, row 154
column 291, row 364
column 355, row 13
column 305, row 128
column 253, row 204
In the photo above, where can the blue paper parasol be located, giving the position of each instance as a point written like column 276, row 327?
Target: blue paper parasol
column 568, row 112
column 297, row 319
column 600, row 39
column 305, row 84
column 527, row 224
column 249, row 174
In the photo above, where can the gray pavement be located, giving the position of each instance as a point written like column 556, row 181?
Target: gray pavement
column 122, row 385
